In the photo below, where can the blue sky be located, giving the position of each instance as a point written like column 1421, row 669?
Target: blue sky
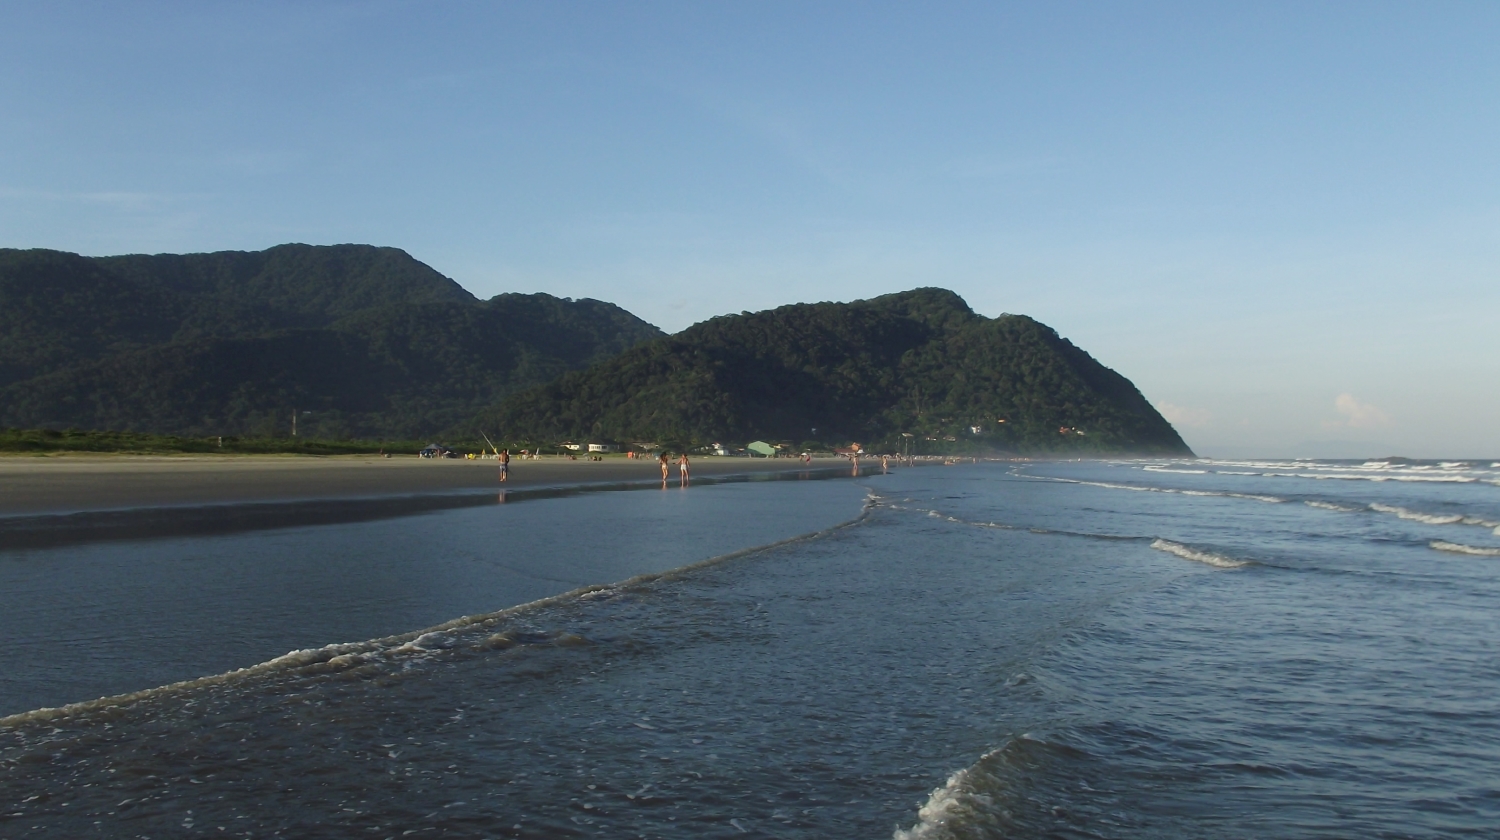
column 1281, row 221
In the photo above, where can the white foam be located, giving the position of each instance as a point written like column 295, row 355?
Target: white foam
column 1418, row 516
column 1457, row 548
column 1411, row 515
column 1207, row 557
column 1109, row 486
column 1168, row 470
column 959, row 804
column 1331, row 506
column 1173, row 490
column 1451, row 473
column 1274, row 500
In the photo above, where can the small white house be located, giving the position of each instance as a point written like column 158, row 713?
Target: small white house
column 718, row 449
column 603, row 447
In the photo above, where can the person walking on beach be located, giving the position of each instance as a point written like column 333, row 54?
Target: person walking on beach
column 682, row 467
column 504, row 457
column 664, row 467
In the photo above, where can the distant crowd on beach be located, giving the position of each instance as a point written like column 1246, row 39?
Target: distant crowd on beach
column 805, row 457
column 666, row 460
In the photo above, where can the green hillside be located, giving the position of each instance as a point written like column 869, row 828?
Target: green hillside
column 919, row 362
column 365, row 341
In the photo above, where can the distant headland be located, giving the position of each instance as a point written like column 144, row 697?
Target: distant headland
column 362, row 342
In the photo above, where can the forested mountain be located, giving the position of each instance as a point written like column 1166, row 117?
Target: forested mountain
column 367, row 341
column 919, row 362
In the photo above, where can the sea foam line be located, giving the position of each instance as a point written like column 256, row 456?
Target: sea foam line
column 1410, row 515
column 1333, row 506
column 1459, row 548
column 1257, row 497
column 1418, row 516
column 470, row 631
column 1210, row 558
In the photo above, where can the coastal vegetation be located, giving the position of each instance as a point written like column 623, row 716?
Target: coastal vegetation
column 918, row 369
column 358, row 341
column 51, row 441
column 353, row 347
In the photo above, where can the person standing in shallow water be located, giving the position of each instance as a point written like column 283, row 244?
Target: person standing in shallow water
column 664, row 467
column 682, row 467
column 504, row 457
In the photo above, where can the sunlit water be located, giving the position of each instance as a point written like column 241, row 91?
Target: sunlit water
column 1193, row 649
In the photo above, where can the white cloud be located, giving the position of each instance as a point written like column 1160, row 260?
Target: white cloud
column 1179, row 415
column 1356, row 414
column 131, row 202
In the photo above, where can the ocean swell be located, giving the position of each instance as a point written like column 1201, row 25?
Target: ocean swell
column 1228, row 494
column 1417, row 516
column 1459, row 548
column 960, row 808
column 1210, row 558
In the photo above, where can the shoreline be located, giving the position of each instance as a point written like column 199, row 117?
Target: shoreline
column 86, row 484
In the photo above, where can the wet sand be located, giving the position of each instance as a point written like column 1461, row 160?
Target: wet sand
column 72, row 484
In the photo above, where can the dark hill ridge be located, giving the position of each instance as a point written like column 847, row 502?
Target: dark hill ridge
column 371, row 341
column 920, row 362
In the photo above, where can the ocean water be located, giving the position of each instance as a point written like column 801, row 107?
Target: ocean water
column 86, row 613
column 1134, row 649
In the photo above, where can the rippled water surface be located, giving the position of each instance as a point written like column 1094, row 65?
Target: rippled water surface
column 1137, row 649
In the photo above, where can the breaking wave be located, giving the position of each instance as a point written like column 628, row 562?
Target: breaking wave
column 1409, row 514
column 1210, row 558
column 1378, row 470
column 1333, row 506
column 1416, row 516
column 1458, row 548
column 960, row 808
column 1257, row 497
column 1433, row 518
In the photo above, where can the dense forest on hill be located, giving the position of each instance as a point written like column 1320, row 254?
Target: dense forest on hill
column 920, row 363
column 361, row 341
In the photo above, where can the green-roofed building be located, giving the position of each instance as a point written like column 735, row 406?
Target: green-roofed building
column 760, row 447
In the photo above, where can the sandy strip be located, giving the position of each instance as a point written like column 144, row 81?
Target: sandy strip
column 41, row 485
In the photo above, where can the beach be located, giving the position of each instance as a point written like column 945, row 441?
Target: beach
column 31, row 485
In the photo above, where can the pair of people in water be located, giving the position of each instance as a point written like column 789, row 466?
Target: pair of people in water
column 682, row 467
